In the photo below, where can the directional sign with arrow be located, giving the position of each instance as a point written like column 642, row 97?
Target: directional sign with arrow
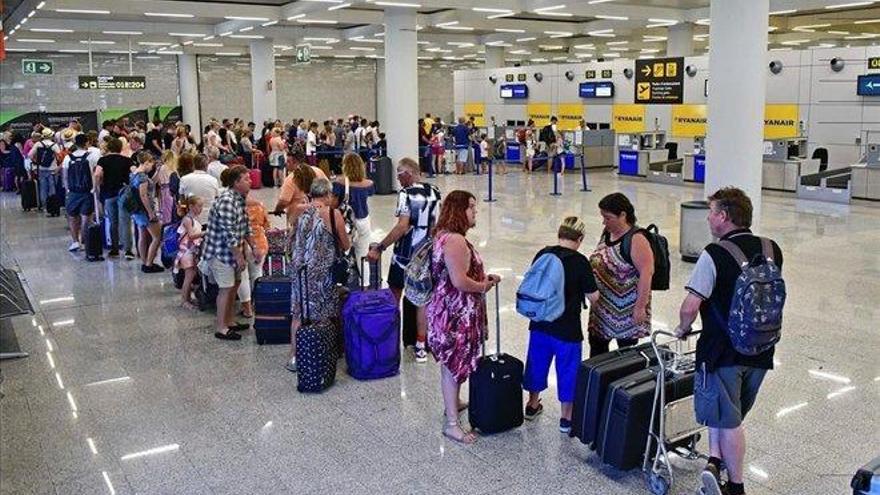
column 31, row 66
column 660, row 81
column 868, row 85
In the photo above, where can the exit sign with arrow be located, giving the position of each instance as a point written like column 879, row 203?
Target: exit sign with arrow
column 31, row 66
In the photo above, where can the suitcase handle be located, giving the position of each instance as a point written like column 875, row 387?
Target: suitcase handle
column 302, row 278
column 497, row 324
column 269, row 258
column 378, row 271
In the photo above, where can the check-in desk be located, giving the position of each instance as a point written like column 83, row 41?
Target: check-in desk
column 784, row 175
column 694, row 168
column 597, row 147
column 666, row 172
column 833, row 186
column 865, row 182
column 635, row 152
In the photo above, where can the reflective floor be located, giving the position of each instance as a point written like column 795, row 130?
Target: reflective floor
column 125, row 392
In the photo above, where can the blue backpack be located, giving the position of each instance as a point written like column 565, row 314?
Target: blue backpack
column 170, row 244
column 541, row 295
column 754, row 323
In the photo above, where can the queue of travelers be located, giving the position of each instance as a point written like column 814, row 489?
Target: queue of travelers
column 202, row 192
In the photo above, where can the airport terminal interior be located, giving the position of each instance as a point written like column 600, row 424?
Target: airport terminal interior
column 109, row 385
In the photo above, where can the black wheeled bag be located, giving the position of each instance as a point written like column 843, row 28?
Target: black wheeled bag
column 623, row 429
column 593, row 377
column 495, row 399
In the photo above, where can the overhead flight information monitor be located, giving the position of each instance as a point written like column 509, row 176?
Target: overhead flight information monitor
column 601, row 89
column 514, row 91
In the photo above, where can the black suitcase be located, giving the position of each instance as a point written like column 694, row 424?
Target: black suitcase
column 316, row 347
column 593, row 377
column 266, row 175
column 29, row 197
column 206, row 294
column 94, row 242
column 623, row 429
column 381, row 172
column 496, row 396
column 53, row 205
column 271, row 297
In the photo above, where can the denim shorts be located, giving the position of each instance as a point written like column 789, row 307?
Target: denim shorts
column 461, row 155
column 723, row 398
column 79, row 204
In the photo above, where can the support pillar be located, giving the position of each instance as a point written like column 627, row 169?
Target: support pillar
column 737, row 90
column 263, row 83
column 680, row 40
column 401, row 83
column 494, row 57
column 188, row 82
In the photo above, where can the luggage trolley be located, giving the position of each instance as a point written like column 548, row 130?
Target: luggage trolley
column 672, row 427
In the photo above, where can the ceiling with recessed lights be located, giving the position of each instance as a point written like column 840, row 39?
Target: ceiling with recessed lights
column 527, row 30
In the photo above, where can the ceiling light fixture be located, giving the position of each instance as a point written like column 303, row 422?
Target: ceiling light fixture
column 612, row 17
column 559, row 34
column 208, row 45
column 322, row 47
column 781, row 12
column 38, row 30
column 490, row 10
column 186, row 35
column 838, row 32
column 35, row 40
column 867, row 21
column 21, row 49
column 270, row 23
column 503, row 14
column 41, row 5
column 363, row 48
column 168, row 14
column 603, row 33
column 241, row 18
column 594, row 2
column 297, row 16
column 97, row 42
column 399, row 4
column 246, row 36
column 246, row 29
column 522, row 40
column 337, row 7
column 316, row 21
column 83, row 11
column 612, row 43
column 152, row 43
column 227, row 54
column 847, row 5
column 506, row 30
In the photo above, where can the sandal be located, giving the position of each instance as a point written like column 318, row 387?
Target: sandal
column 189, row 305
column 462, row 406
column 465, row 438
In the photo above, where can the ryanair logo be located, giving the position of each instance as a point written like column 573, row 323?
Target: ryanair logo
column 779, row 122
column 629, row 118
column 690, row 120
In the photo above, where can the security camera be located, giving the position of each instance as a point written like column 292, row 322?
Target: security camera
column 627, row 73
column 539, row 76
column 776, row 66
column 690, row 70
column 493, row 79
column 569, row 75
column 837, row 64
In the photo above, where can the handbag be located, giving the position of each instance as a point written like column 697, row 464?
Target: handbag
column 347, row 212
column 344, row 269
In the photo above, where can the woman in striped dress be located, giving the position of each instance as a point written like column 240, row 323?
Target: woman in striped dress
column 623, row 265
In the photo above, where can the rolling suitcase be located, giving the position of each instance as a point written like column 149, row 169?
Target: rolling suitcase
column 371, row 328
column 381, row 172
column 272, row 317
column 496, row 395
column 867, row 479
column 315, row 347
column 29, row 197
column 206, row 294
column 256, row 178
column 95, row 239
column 593, row 377
column 8, row 178
column 53, row 205
column 623, row 428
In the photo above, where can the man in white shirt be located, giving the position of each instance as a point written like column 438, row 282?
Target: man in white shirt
column 215, row 168
column 312, row 144
column 44, row 159
column 202, row 185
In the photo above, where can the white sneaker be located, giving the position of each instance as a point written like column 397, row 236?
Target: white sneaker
column 420, row 354
column 74, row 246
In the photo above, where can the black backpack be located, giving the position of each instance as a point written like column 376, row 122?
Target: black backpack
column 660, row 248
column 45, row 155
column 546, row 134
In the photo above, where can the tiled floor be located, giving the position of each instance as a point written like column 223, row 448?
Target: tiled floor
column 126, row 393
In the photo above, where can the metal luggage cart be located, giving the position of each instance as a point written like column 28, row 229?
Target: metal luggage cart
column 673, row 427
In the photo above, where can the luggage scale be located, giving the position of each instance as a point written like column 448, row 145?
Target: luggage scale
column 673, row 427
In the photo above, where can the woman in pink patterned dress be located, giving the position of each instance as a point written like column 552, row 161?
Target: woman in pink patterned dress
column 456, row 312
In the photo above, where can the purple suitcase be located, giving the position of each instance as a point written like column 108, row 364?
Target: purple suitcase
column 8, row 179
column 371, row 326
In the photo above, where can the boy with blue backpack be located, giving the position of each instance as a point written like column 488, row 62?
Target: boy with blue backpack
column 551, row 296
column 738, row 291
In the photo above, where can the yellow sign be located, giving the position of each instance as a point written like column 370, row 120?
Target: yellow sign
column 781, row 121
column 570, row 116
column 539, row 112
column 628, row 118
column 644, row 91
column 688, row 120
column 477, row 111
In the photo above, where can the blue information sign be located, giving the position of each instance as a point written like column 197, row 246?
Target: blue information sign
column 602, row 89
column 514, row 91
column 869, row 85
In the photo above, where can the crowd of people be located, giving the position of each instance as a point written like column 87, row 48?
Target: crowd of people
column 159, row 180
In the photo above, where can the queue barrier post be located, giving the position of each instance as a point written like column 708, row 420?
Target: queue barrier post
column 490, row 199
column 555, row 176
column 585, row 183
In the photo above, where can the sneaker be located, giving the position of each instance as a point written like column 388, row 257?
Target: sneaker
column 710, row 479
column 74, row 246
column 291, row 365
column 533, row 412
column 229, row 335
column 564, row 425
column 113, row 253
column 420, row 354
column 129, row 255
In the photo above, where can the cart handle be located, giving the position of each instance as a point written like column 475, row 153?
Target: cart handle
column 658, row 350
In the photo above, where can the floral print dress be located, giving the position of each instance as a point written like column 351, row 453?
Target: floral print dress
column 456, row 319
column 313, row 247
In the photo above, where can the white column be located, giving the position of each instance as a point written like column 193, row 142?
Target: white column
column 263, row 84
column 736, row 97
column 680, row 40
column 401, row 83
column 494, row 57
column 188, row 82
column 381, row 115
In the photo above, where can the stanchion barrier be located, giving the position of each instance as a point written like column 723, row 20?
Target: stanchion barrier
column 490, row 199
column 584, row 181
column 555, row 177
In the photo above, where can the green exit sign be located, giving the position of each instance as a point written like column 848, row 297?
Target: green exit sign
column 31, row 66
column 303, row 54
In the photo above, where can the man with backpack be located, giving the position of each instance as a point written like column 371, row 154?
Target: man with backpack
column 44, row 157
column 78, row 167
column 738, row 291
column 551, row 296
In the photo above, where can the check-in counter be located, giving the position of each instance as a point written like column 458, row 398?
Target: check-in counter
column 635, row 152
column 666, row 172
column 784, row 175
column 694, row 168
column 833, row 186
column 597, row 147
column 865, row 182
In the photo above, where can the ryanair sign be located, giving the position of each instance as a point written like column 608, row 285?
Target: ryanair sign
column 688, row 120
column 570, row 115
column 781, row 121
column 627, row 118
column 539, row 112
column 477, row 110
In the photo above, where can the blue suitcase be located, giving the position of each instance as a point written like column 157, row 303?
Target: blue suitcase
column 867, row 479
column 271, row 296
